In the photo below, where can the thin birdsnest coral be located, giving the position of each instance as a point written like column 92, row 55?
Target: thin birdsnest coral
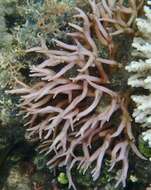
column 64, row 116
column 70, row 109
column 121, row 16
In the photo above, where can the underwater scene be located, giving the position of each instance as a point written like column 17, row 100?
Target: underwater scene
column 75, row 94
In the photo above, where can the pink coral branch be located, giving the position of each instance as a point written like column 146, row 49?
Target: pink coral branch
column 70, row 111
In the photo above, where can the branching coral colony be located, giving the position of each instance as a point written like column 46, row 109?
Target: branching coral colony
column 142, row 70
column 70, row 108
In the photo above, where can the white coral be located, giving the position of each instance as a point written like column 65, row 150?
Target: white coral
column 142, row 113
column 139, row 66
column 144, row 25
column 142, row 47
column 141, row 73
column 147, row 137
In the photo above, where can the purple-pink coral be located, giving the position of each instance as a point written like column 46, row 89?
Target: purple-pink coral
column 70, row 108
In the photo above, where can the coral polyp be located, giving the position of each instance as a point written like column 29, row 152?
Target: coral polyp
column 70, row 108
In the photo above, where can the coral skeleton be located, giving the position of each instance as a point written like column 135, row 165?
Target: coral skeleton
column 141, row 70
column 70, row 108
